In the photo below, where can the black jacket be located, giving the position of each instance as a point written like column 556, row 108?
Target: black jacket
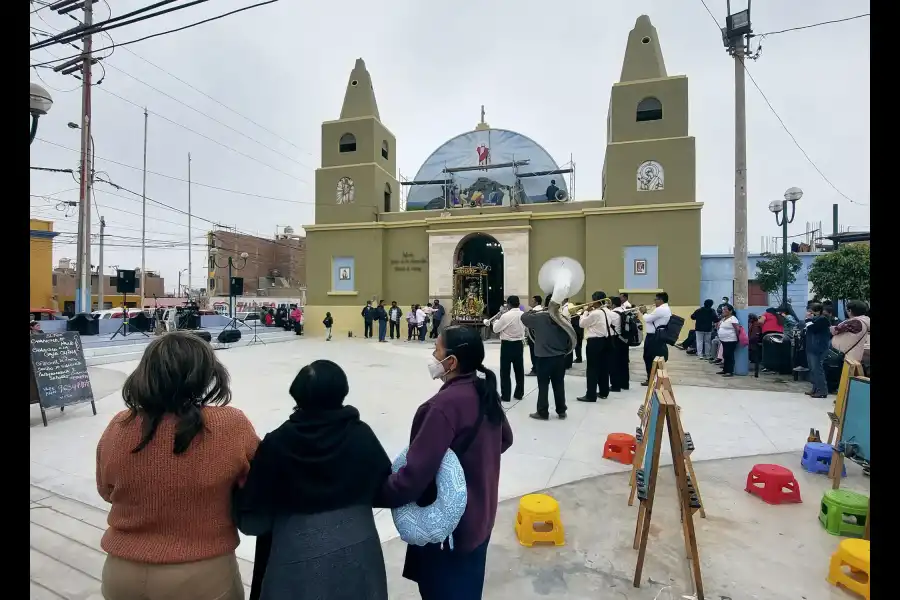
column 380, row 313
column 704, row 319
column 368, row 314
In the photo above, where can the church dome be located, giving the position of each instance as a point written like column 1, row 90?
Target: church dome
column 491, row 186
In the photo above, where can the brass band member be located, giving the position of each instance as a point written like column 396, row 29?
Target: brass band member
column 618, row 369
column 512, row 348
column 654, row 321
column 536, row 304
column 551, row 344
column 600, row 325
column 579, row 334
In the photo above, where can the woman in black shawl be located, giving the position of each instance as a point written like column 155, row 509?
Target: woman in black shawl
column 309, row 497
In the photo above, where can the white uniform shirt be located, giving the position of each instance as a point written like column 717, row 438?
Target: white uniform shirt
column 420, row 317
column 509, row 326
column 600, row 323
column 659, row 317
column 626, row 305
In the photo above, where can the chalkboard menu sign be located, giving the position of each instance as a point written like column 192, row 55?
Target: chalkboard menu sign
column 59, row 373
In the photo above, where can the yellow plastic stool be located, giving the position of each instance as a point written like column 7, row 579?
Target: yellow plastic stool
column 538, row 521
column 853, row 554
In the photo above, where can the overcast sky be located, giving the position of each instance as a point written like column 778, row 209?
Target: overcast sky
column 542, row 69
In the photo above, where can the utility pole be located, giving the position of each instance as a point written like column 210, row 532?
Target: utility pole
column 101, row 284
column 190, row 272
column 144, row 218
column 83, row 267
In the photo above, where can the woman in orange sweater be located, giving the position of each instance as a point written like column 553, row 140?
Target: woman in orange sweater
column 168, row 465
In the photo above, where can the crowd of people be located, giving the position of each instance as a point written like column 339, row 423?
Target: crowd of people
column 390, row 319
column 184, row 472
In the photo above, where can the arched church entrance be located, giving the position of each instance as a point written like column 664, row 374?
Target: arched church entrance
column 482, row 249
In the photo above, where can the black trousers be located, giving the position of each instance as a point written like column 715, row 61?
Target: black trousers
column 599, row 359
column 367, row 330
column 394, row 326
column 728, row 349
column 512, row 354
column 413, row 331
column 619, row 374
column 533, row 359
column 434, row 328
column 654, row 346
column 579, row 335
column 551, row 371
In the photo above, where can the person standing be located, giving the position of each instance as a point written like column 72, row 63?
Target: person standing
column 575, row 320
column 852, row 335
column 421, row 318
column 328, row 322
column 818, row 339
column 551, row 344
column 619, row 376
column 564, row 311
column 368, row 315
column 655, row 321
column 703, row 318
column 382, row 316
column 536, row 305
column 394, row 319
column 437, row 317
column 411, row 323
column 625, row 303
column 512, row 348
column 728, row 337
column 599, row 327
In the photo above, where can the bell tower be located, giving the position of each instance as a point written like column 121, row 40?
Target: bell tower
column 650, row 158
column 357, row 182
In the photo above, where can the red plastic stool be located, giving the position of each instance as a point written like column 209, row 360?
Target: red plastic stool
column 773, row 484
column 620, row 447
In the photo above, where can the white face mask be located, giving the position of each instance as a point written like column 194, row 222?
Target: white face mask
column 436, row 368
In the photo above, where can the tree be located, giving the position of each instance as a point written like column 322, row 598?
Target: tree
column 842, row 274
column 770, row 271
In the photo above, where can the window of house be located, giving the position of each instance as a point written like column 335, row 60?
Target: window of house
column 649, row 109
column 387, row 197
column 54, row 279
column 347, row 143
column 384, row 150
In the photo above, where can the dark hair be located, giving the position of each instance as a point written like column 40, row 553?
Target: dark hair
column 466, row 345
column 828, row 308
column 708, row 303
column 815, row 307
column 598, row 296
column 857, row 308
column 552, row 182
column 616, row 301
column 624, row 295
column 724, row 306
column 752, row 318
column 179, row 374
column 513, row 301
column 320, row 385
column 665, row 297
column 538, row 299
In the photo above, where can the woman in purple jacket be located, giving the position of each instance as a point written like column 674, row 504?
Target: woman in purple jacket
column 465, row 416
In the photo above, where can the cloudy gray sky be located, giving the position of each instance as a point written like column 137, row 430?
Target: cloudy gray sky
column 543, row 69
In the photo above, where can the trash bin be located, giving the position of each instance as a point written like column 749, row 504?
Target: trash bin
column 776, row 353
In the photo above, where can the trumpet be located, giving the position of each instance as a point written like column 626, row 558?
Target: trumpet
column 605, row 303
column 499, row 314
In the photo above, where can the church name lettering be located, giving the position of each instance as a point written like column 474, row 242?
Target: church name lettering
column 409, row 262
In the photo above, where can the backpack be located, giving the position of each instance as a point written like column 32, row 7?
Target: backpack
column 632, row 331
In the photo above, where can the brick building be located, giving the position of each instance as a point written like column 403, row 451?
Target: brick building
column 63, row 279
column 274, row 267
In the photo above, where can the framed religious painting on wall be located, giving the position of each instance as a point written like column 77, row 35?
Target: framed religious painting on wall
column 344, row 274
column 640, row 266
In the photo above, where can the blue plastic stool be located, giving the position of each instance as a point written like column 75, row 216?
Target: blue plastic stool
column 817, row 458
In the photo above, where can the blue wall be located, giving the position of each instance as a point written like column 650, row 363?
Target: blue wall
column 347, row 285
column 717, row 278
column 648, row 281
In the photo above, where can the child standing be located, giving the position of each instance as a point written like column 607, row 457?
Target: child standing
column 328, row 322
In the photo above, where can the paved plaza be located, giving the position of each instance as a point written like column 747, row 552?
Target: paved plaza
column 747, row 549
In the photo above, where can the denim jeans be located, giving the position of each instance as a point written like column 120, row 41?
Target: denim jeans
column 704, row 343
column 817, row 372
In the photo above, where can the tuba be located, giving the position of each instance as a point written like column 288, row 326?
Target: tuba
column 560, row 278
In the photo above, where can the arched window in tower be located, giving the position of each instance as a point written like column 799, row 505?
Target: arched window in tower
column 347, row 143
column 384, row 150
column 649, row 109
column 387, row 197
column 650, row 177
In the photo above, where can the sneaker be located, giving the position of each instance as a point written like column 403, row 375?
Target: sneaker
column 539, row 417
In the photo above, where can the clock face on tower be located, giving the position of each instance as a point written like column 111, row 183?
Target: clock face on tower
column 345, row 191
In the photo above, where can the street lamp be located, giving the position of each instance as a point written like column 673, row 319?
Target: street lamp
column 231, row 264
column 780, row 209
column 41, row 101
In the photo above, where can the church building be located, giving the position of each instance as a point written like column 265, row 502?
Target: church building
column 491, row 206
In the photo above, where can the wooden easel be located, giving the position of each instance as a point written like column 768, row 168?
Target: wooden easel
column 659, row 378
column 850, row 369
column 663, row 410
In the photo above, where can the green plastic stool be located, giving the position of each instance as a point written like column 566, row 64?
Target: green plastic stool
column 844, row 513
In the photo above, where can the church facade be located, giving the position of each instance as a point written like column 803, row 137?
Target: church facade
column 641, row 237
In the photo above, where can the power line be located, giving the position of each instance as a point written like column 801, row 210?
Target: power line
column 204, row 136
column 172, row 177
column 815, row 25
column 121, row 44
column 781, row 121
